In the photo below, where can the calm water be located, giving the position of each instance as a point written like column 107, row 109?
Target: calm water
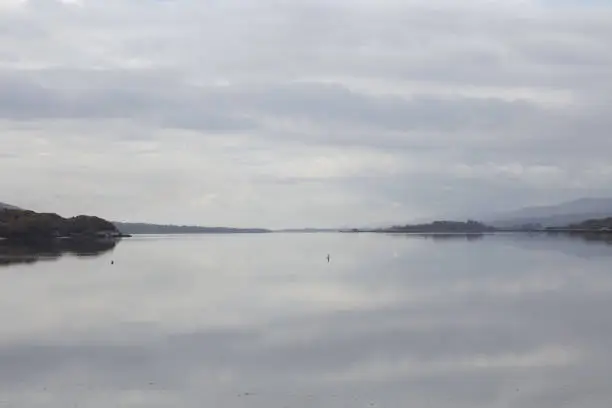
column 231, row 321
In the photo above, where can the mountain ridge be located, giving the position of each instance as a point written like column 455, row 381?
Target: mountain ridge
column 554, row 215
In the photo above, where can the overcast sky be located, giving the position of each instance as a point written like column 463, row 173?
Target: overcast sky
column 283, row 113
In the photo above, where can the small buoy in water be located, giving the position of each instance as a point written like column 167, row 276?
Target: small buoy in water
column 112, row 262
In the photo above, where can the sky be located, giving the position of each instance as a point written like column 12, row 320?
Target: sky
column 279, row 113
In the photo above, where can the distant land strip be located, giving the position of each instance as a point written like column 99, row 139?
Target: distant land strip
column 146, row 228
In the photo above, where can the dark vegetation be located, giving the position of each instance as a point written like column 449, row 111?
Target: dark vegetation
column 30, row 226
column 593, row 226
column 444, row 227
column 143, row 228
column 437, row 227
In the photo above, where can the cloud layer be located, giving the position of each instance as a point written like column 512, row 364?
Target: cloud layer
column 292, row 113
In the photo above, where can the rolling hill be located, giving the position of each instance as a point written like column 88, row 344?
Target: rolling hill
column 562, row 214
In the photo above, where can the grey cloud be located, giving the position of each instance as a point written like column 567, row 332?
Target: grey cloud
column 199, row 106
column 175, row 104
column 480, row 86
column 34, row 98
column 489, row 45
column 336, row 104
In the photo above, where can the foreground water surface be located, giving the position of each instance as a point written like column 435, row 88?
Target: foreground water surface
column 235, row 321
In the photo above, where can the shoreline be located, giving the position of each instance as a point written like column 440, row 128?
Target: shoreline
column 492, row 232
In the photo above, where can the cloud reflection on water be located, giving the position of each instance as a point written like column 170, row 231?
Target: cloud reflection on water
column 243, row 321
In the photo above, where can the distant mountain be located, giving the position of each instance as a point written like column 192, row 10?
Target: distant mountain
column 597, row 224
column 144, row 228
column 555, row 215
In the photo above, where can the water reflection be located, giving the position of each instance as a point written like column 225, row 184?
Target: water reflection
column 442, row 236
column 21, row 253
column 587, row 246
column 593, row 237
column 265, row 321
